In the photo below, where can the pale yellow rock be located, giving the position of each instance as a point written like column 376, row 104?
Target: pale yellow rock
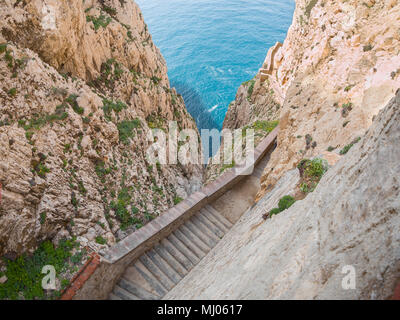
column 331, row 157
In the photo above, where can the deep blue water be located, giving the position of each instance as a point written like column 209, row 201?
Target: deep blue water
column 212, row 46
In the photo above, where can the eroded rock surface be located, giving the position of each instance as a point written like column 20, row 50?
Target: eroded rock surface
column 81, row 85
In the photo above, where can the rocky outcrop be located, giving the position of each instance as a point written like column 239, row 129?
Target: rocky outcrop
column 347, row 227
column 338, row 66
column 81, row 85
column 251, row 104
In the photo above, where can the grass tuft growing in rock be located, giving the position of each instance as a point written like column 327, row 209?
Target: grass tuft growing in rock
column 120, row 209
column 109, row 106
column 72, row 101
column 3, row 47
column 177, row 200
column 311, row 172
column 284, row 203
column 349, row 146
column 12, row 92
column 126, row 129
column 100, row 21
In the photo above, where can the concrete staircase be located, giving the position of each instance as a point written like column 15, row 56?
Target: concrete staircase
column 153, row 260
column 158, row 270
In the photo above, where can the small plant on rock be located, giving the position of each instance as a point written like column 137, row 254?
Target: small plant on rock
column 311, row 172
column 284, row 203
column 349, row 146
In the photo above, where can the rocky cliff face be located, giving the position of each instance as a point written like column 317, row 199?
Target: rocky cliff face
column 81, row 85
column 340, row 242
column 338, row 66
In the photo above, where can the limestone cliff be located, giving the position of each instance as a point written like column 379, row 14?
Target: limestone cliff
column 81, row 84
column 338, row 66
column 340, row 242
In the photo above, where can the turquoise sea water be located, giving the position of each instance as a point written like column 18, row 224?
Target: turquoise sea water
column 212, row 46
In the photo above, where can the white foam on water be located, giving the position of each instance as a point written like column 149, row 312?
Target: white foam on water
column 213, row 108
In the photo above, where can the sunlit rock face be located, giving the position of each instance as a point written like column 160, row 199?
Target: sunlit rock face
column 81, row 83
column 338, row 66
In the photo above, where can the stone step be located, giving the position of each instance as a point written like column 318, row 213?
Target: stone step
column 139, row 274
column 155, row 270
column 219, row 216
column 218, row 232
column 202, row 235
column 190, row 240
column 214, row 220
column 182, row 248
column 194, row 237
column 172, row 261
column 136, row 290
column 205, row 229
column 164, row 266
column 123, row 294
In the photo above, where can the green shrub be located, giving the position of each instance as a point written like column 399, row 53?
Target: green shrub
column 72, row 101
column 109, row 106
column 346, row 108
column 100, row 240
column 102, row 171
column 121, row 211
column 367, row 47
column 155, row 80
column 101, row 21
column 24, row 274
column 309, row 7
column 348, row 88
column 110, row 71
column 12, row 92
column 42, row 217
column 135, row 210
column 311, row 172
column 317, row 168
column 274, row 211
column 267, row 126
column 349, row 146
column 250, row 88
column 41, row 169
column 177, row 200
column 74, row 200
column 284, row 203
column 3, row 47
column 125, row 129
column 109, row 10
